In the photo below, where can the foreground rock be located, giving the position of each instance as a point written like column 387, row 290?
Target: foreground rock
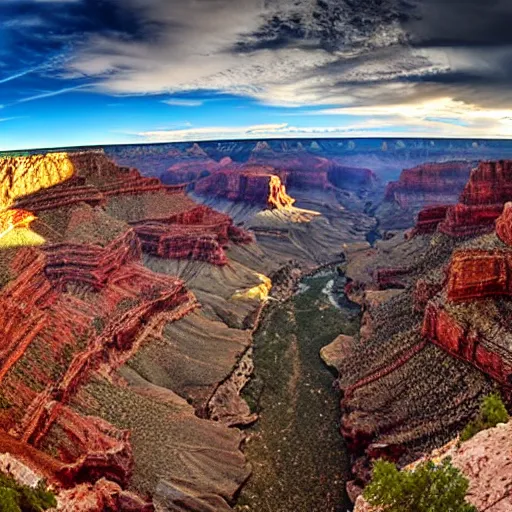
column 485, row 461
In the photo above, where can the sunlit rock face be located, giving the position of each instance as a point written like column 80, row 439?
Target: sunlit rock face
column 277, row 197
column 504, row 225
column 252, row 184
column 20, row 176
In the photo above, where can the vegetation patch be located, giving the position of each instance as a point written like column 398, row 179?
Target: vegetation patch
column 429, row 488
column 15, row 497
column 492, row 411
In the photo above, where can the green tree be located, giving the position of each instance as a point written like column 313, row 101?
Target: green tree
column 428, row 488
column 15, row 497
column 492, row 411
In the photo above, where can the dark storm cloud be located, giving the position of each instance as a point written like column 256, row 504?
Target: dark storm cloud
column 462, row 23
column 332, row 25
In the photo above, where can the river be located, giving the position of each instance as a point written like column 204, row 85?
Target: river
column 299, row 459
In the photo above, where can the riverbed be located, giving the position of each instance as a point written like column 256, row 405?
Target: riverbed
column 298, row 456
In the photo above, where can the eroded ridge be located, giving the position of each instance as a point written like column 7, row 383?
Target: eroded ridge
column 75, row 311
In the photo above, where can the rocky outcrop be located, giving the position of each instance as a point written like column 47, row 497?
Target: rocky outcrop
column 351, row 178
column 480, row 460
column 429, row 219
column 504, row 225
column 20, row 176
column 476, row 274
column 488, row 350
column 429, row 184
column 254, row 185
column 481, row 203
column 89, row 264
column 181, row 242
column 101, row 496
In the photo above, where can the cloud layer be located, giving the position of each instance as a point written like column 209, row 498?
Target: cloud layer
column 452, row 61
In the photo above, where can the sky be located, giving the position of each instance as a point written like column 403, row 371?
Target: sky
column 83, row 72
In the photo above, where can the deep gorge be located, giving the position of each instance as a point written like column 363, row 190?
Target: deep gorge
column 298, row 456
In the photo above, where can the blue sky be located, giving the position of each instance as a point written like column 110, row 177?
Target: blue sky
column 81, row 72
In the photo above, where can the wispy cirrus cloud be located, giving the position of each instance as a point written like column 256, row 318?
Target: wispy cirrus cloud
column 181, row 102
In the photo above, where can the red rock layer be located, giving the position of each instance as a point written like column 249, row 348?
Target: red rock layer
column 250, row 184
column 390, row 278
column 89, row 264
column 181, row 242
column 74, row 191
column 97, row 180
column 481, row 203
column 429, row 219
column 103, row 496
column 440, row 327
column 79, row 334
column 429, row 184
column 477, row 274
column 504, row 225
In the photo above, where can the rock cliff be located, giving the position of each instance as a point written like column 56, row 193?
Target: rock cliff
column 255, row 185
column 77, row 310
column 482, row 200
column 480, row 460
column 427, row 185
column 405, row 393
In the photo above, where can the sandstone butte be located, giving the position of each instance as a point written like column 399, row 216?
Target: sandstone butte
column 432, row 184
column 482, row 200
column 297, row 170
column 254, row 185
column 477, row 274
column 76, row 308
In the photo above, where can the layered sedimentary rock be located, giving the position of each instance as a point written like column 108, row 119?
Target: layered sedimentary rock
column 429, row 219
column 255, row 185
column 427, row 185
column 481, row 203
column 74, row 314
column 403, row 393
column 478, row 273
column 25, row 175
column 504, row 225
column 305, row 171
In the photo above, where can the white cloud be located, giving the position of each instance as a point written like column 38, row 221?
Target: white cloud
column 180, row 102
column 390, row 125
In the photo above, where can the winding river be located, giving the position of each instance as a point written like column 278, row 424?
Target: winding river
column 298, row 456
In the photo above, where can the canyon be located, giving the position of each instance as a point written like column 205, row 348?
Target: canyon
column 150, row 317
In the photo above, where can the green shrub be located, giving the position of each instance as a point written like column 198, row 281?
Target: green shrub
column 492, row 411
column 22, row 498
column 429, row 488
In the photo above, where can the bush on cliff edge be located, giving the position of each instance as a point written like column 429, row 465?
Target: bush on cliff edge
column 492, row 411
column 429, row 488
column 16, row 497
